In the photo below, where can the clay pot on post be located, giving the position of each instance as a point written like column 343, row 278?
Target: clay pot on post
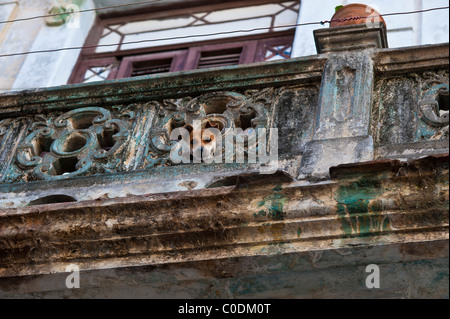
column 355, row 10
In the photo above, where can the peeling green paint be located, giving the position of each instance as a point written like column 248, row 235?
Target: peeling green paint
column 274, row 204
column 358, row 208
column 376, row 206
column 260, row 213
column 425, row 132
column 277, row 188
column 440, row 276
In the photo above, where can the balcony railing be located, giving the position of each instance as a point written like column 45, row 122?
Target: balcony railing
column 86, row 174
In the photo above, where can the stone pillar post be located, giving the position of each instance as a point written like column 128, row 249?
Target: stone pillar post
column 341, row 131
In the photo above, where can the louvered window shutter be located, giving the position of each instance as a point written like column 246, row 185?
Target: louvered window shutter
column 212, row 59
column 149, row 64
column 191, row 58
column 151, row 67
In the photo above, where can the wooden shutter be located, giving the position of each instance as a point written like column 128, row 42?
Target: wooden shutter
column 94, row 70
column 219, row 55
column 274, row 49
column 212, row 59
column 148, row 64
column 151, row 67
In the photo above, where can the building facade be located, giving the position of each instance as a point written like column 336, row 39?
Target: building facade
column 88, row 178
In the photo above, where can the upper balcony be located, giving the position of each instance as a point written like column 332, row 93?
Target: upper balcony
column 362, row 104
column 357, row 125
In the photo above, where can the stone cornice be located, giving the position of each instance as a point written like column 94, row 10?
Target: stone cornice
column 258, row 217
column 162, row 86
column 293, row 71
column 412, row 59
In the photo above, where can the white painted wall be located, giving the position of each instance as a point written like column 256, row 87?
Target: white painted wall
column 17, row 37
column 405, row 30
column 53, row 69
column 8, row 11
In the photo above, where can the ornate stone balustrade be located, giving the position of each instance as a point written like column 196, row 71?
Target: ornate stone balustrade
column 354, row 126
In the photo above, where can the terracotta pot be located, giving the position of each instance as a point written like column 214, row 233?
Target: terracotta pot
column 355, row 10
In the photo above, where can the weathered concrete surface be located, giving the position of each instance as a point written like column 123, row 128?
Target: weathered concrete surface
column 320, row 155
column 380, row 207
column 50, row 69
column 329, row 274
column 355, row 37
column 408, row 151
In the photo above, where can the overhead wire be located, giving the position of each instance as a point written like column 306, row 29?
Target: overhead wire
column 216, row 33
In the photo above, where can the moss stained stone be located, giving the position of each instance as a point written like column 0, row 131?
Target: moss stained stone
column 358, row 208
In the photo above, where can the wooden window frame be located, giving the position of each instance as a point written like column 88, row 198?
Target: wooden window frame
column 185, row 56
column 163, row 12
column 82, row 66
column 126, row 66
column 186, row 59
column 263, row 45
column 247, row 54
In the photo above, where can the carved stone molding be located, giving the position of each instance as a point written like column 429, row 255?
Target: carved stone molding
column 97, row 140
column 434, row 105
column 79, row 142
column 221, row 110
column 410, row 108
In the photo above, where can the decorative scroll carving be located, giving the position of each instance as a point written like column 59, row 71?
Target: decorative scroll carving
column 432, row 115
column 80, row 142
column 96, row 140
column 221, row 110
column 345, row 83
column 434, row 105
column 3, row 127
column 62, row 9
